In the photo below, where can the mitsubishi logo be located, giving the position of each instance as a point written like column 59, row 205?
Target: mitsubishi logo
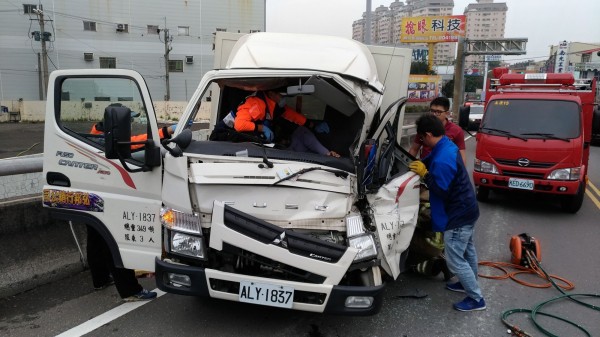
column 280, row 240
column 523, row 162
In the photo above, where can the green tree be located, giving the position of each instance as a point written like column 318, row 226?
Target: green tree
column 421, row 68
column 472, row 83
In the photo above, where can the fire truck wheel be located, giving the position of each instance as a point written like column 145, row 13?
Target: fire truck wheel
column 483, row 193
column 572, row 203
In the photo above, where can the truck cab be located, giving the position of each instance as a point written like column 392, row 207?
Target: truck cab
column 535, row 136
column 245, row 220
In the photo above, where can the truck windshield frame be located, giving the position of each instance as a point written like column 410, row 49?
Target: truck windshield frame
column 533, row 118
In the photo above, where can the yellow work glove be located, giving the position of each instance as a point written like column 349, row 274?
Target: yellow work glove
column 418, row 167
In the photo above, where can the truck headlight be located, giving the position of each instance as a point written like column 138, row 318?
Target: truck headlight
column 359, row 239
column 187, row 244
column 572, row 173
column 179, row 221
column 367, row 249
column 485, row 167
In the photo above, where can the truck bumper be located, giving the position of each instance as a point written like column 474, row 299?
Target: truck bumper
column 495, row 181
column 307, row 296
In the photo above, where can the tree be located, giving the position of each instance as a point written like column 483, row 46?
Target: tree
column 421, row 68
column 472, row 83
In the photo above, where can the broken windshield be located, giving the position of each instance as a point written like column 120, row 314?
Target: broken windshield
column 532, row 118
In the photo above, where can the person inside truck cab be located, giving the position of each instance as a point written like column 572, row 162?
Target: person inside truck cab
column 440, row 107
column 266, row 111
column 164, row 132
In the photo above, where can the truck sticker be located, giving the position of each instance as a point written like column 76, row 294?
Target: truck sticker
column 137, row 233
column 499, row 102
column 82, row 201
column 96, row 158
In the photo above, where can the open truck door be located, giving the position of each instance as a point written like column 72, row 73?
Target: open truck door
column 103, row 165
column 394, row 190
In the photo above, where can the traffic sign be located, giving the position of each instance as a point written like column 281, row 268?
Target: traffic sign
column 491, row 58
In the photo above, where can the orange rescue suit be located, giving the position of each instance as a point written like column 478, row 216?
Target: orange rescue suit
column 96, row 130
column 254, row 110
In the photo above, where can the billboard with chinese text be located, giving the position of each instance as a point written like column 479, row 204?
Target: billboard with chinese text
column 422, row 88
column 562, row 57
column 432, row 29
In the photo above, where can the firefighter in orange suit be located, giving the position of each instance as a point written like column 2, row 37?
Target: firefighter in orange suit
column 164, row 132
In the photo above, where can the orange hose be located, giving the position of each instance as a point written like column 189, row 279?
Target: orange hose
column 534, row 269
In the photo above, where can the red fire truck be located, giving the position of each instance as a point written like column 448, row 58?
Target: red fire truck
column 535, row 135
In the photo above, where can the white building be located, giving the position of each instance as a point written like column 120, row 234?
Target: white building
column 123, row 34
column 386, row 25
column 485, row 20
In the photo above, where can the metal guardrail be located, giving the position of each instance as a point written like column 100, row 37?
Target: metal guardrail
column 21, row 165
column 34, row 163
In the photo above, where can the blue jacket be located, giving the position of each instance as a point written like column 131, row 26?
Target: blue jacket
column 451, row 194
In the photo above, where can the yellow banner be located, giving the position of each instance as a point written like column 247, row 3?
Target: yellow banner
column 432, row 29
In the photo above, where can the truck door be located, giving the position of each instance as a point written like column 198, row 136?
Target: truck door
column 394, row 197
column 81, row 183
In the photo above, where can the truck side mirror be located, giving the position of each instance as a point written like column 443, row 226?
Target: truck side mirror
column 463, row 116
column 182, row 141
column 117, row 132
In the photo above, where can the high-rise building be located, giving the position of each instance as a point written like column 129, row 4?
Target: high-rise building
column 386, row 25
column 126, row 34
column 485, row 20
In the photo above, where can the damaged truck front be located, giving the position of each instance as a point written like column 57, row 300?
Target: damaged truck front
column 245, row 221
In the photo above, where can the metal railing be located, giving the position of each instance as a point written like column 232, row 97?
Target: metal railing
column 21, row 165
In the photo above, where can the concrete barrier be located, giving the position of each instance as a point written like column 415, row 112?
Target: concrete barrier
column 35, row 249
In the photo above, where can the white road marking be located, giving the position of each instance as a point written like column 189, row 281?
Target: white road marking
column 107, row 317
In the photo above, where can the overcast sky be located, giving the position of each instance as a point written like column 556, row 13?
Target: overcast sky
column 543, row 22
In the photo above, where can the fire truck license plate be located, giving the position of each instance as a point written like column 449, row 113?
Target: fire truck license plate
column 266, row 294
column 523, row 184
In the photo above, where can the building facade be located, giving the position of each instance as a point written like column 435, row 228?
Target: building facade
column 126, row 34
column 485, row 20
column 386, row 25
column 581, row 58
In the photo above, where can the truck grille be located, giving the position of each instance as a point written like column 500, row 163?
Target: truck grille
column 533, row 164
column 295, row 243
column 257, row 265
column 530, row 175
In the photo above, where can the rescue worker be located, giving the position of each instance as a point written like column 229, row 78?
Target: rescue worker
column 440, row 107
column 262, row 112
column 164, row 132
column 454, row 209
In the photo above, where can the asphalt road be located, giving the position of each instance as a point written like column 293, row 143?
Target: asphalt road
column 569, row 249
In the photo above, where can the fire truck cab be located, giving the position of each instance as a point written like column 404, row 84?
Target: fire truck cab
column 535, row 136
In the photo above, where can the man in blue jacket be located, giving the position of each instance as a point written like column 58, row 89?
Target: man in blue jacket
column 454, row 209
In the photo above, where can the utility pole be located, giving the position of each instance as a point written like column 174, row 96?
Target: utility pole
column 167, row 40
column 368, row 23
column 43, row 38
column 459, row 76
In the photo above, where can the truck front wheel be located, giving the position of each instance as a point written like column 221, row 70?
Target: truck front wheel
column 483, row 193
column 572, row 203
column 371, row 277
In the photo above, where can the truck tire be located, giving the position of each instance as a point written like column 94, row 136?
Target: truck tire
column 463, row 116
column 483, row 193
column 572, row 203
column 371, row 277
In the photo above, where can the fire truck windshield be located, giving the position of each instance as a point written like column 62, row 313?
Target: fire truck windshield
column 530, row 118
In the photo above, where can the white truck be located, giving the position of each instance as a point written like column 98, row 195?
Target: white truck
column 244, row 221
